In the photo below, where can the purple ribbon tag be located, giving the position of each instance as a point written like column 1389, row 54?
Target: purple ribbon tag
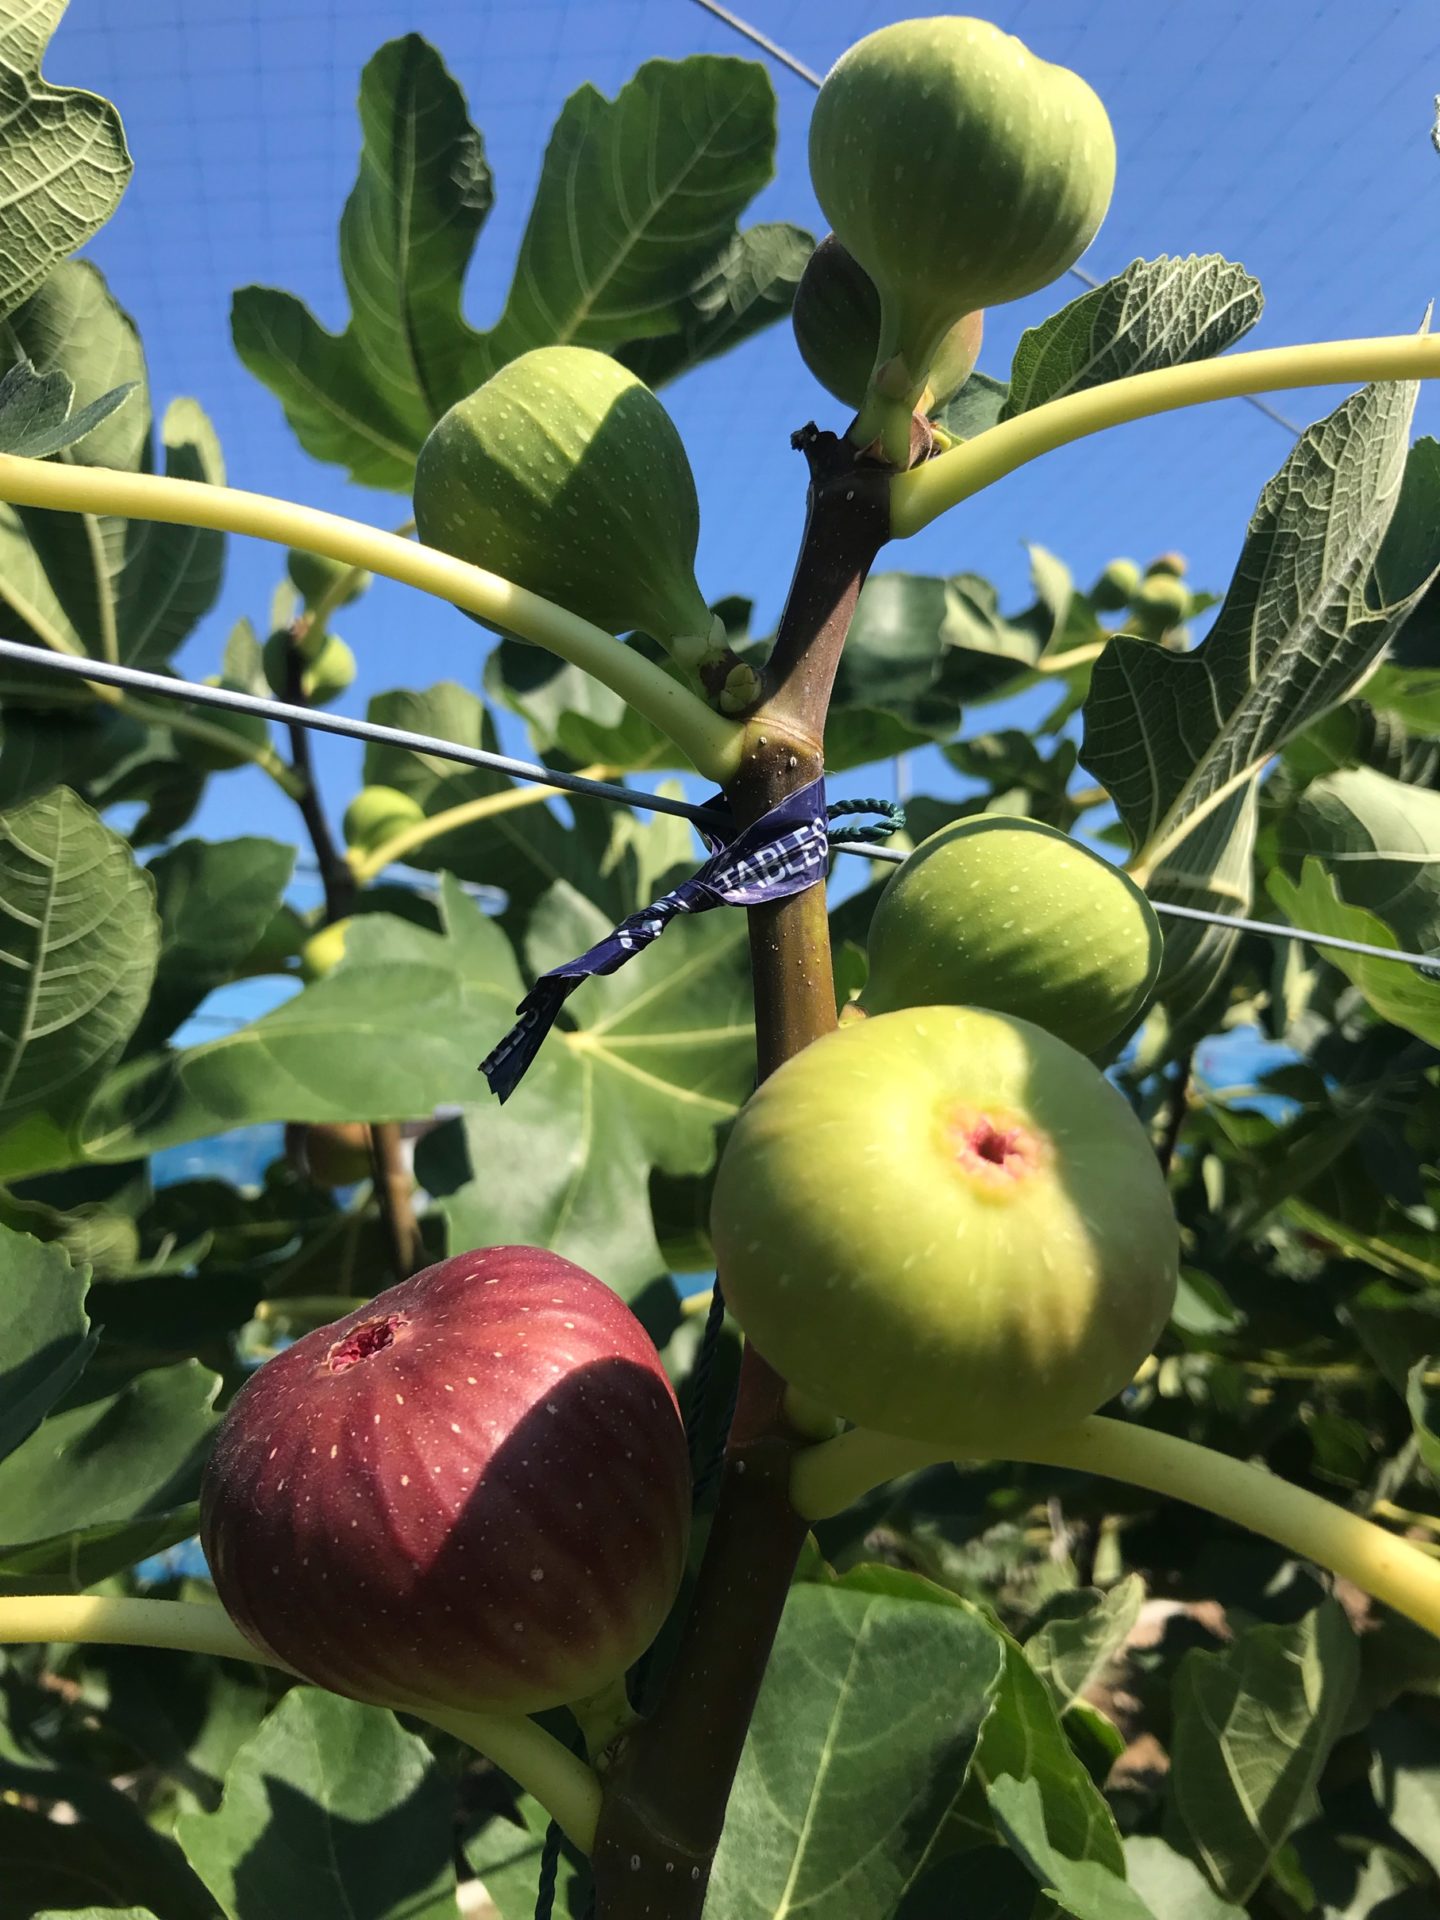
column 784, row 852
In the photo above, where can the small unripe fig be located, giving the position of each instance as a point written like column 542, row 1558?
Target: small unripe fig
column 322, row 679
column 946, row 1225
column 1013, row 915
column 565, row 474
column 1172, row 563
column 250, row 728
column 1114, row 588
column 471, row 1493
column 324, row 951
column 1160, row 602
column 330, row 1156
column 377, row 814
column 836, row 317
column 961, row 172
column 313, row 575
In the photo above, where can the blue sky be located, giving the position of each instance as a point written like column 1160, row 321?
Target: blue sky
column 1294, row 138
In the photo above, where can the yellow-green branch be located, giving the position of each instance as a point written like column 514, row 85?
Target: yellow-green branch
column 365, row 866
column 539, row 1763
column 920, row 496
column 829, row 1477
column 710, row 740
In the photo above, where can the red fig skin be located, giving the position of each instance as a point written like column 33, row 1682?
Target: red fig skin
column 471, row 1493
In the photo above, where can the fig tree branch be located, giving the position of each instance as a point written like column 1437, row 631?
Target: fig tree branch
column 667, row 1789
column 708, row 739
column 394, row 1194
column 535, row 1760
column 830, row 1477
column 928, row 490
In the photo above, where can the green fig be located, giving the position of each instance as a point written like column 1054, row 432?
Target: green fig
column 324, row 677
column 565, row 474
column 315, row 576
column 324, row 951
column 251, row 729
column 1115, row 587
column 1172, row 563
column 1011, row 915
column 1160, row 602
column 961, row 172
column 836, row 317
column 947, row 1225
column 377, row 814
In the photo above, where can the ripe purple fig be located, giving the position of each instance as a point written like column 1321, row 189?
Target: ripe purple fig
column 471, row 1493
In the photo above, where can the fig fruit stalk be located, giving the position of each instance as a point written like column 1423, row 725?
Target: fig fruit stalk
column 961, row 172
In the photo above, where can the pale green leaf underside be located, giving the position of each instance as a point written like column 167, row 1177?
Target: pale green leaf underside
column 63, row 159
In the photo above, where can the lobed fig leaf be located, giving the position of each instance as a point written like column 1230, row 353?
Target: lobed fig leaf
column 1015, row 916
column 961, row 172
column 947, row 1225
column 836, row 317
column 471, row 1493
column 565, row 474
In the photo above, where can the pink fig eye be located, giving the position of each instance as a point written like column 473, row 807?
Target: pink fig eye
column 371, row 1336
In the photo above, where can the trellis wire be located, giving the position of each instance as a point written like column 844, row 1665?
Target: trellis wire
column 169, row 688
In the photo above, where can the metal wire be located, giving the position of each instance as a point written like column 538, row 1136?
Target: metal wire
column 169, row 688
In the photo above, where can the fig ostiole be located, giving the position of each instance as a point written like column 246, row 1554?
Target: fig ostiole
column 565, row 474
column 948, row 1226
column 961, row 172
column 471, row 1494
column 1012, row 915
column 836, row 318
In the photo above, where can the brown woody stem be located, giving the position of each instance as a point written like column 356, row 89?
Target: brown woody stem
column 666, row 1792
column 394, row 1190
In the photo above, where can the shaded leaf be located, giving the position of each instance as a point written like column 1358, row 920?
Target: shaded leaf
column 979, row 404
column 78, row 946
column 132, row 1454
column 1082, row 1632
column 1380, row 840
column 1406, row 995
column 1085, row 1888
column 747, row 287
column 35, row 411
column 1170, row 1884
column 1254, row 1725
column 96, row 584
column 71, row 1562
column 330, row 1810
column 507, row 1858
column 854, row 1754
column 63, row 155
column 215, row 899
column 1156, row 313
column 47, row 1333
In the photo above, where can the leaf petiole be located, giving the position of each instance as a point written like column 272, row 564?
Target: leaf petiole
column 828, row 1478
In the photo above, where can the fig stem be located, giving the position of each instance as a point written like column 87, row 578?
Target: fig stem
column 365, row 866
column 534, row 1759
column 710, row 741
column 830, row 1477
column 670, row 1778
column 929, row 490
